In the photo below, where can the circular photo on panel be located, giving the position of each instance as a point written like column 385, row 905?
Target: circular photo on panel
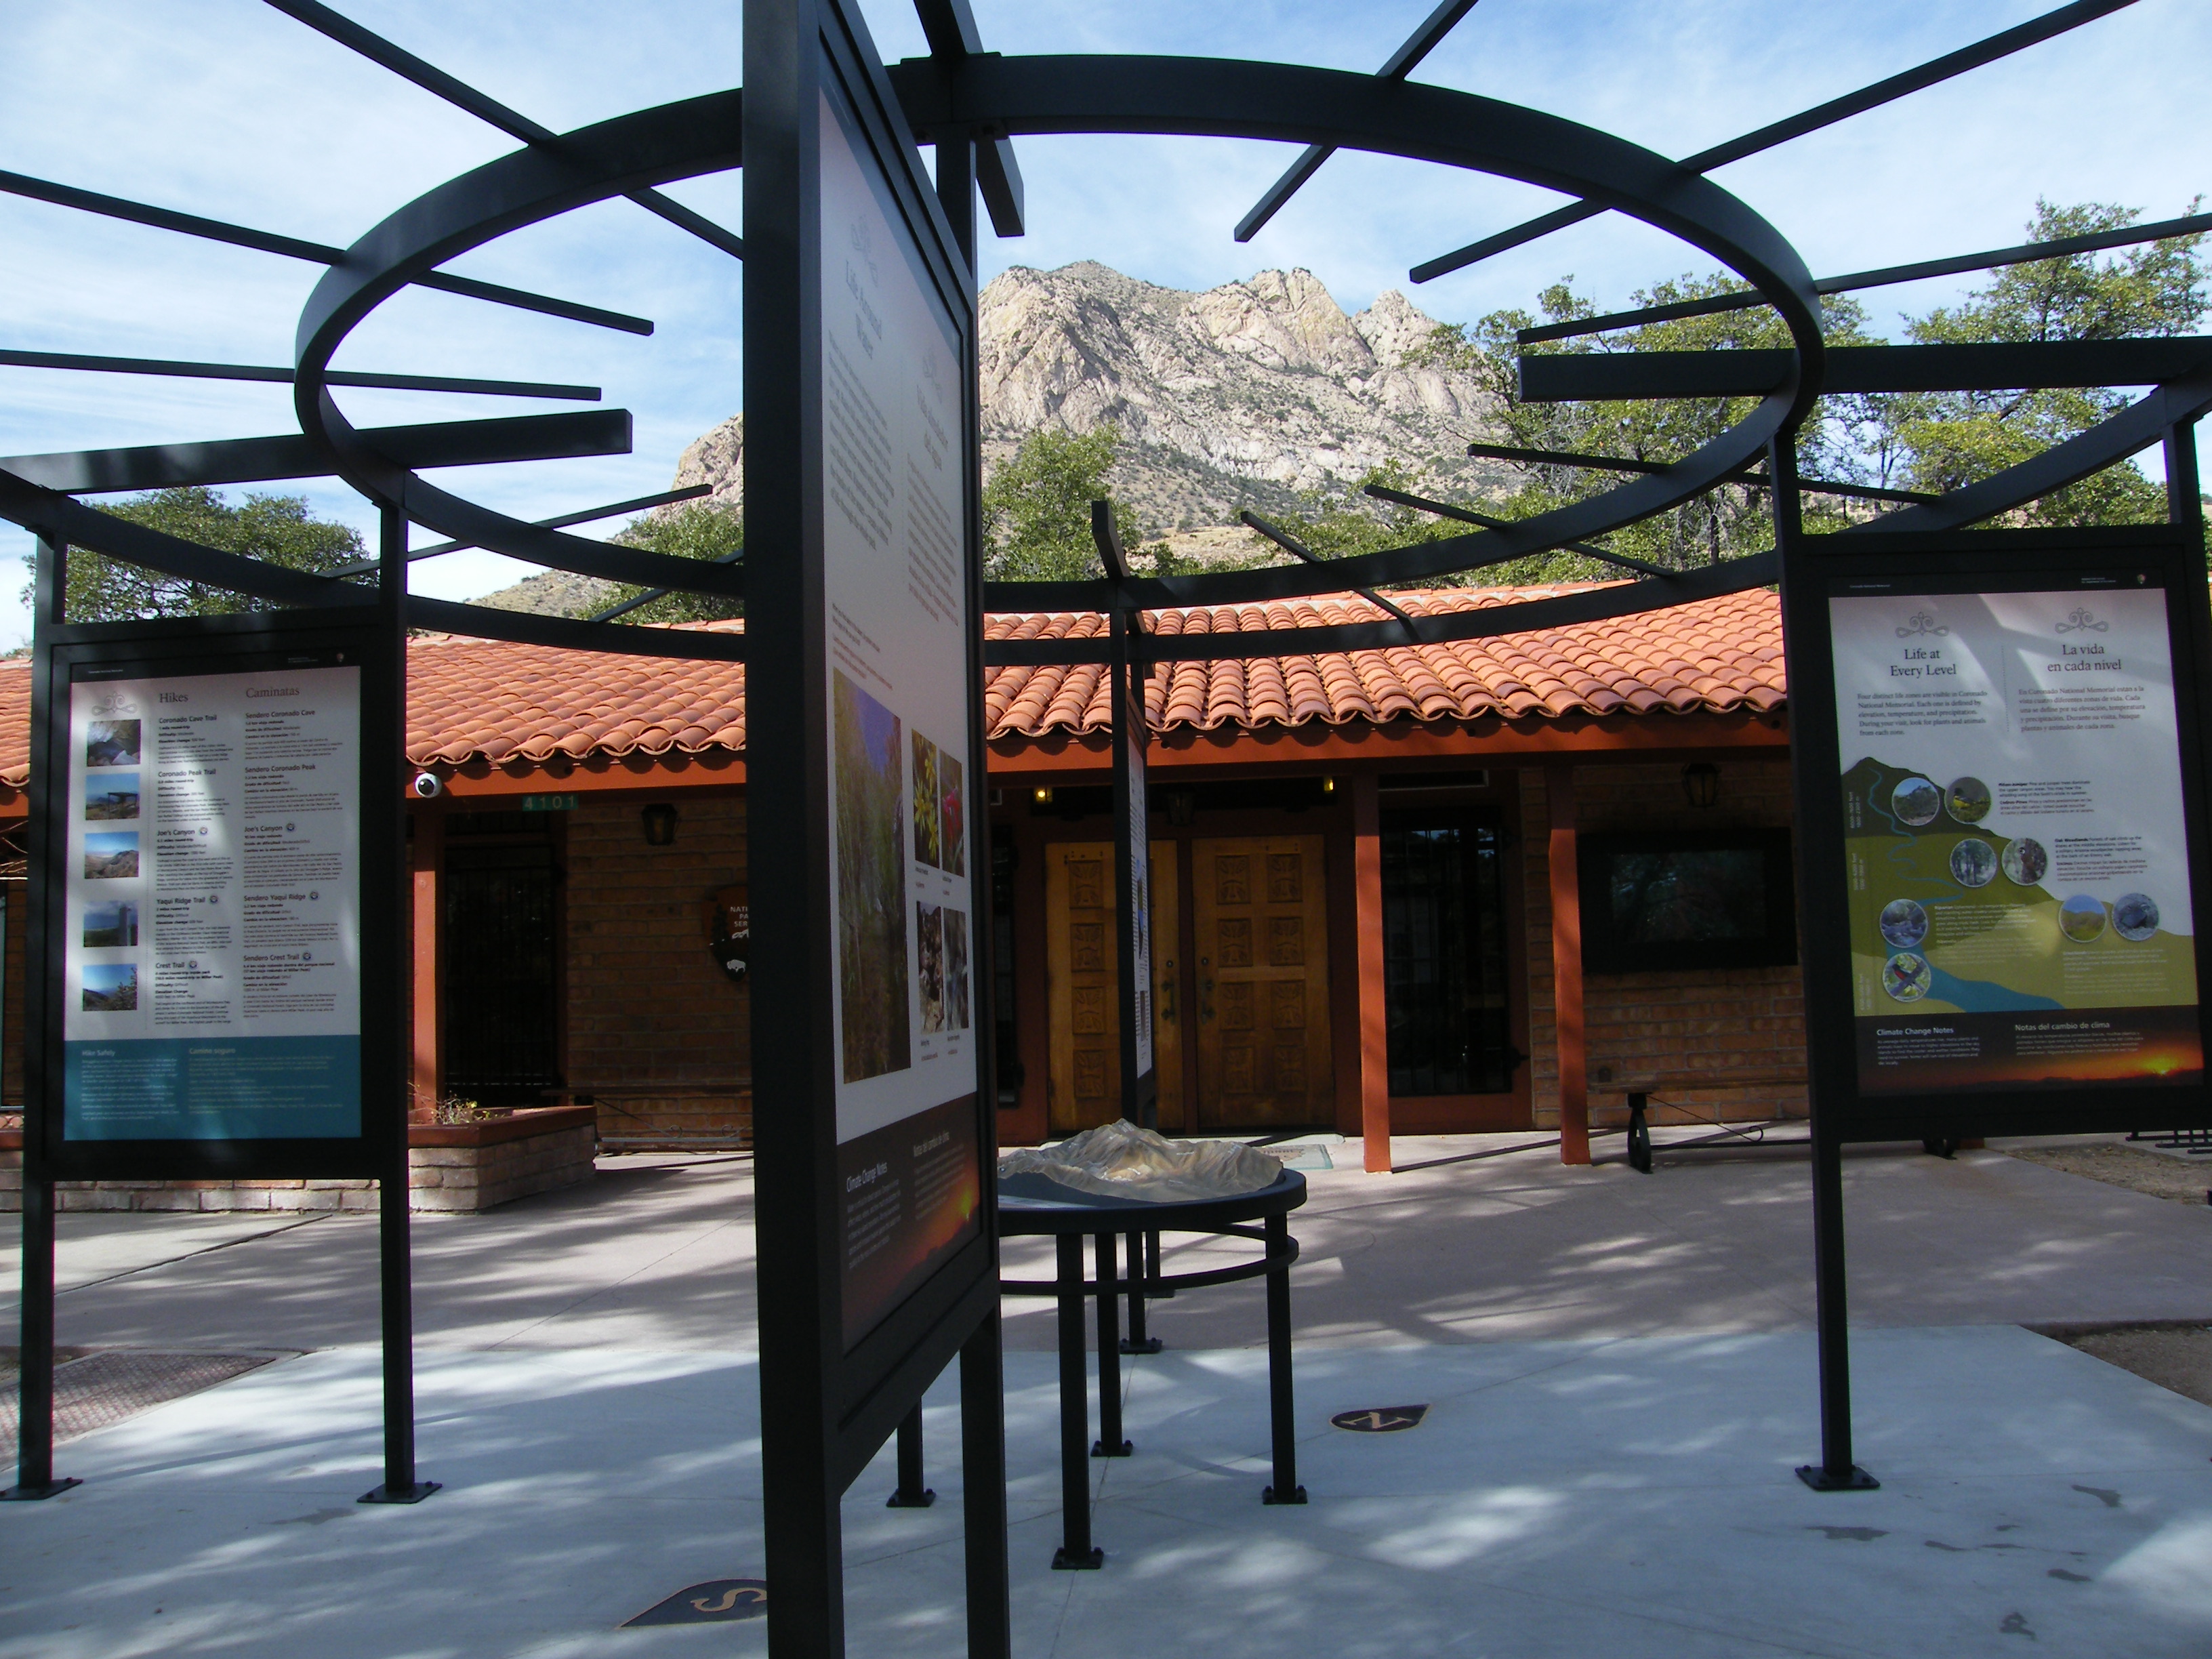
column 1916, row 801
column 1973, row 862
column 2081, row 918
column 1905, row 976
column 1904, row 924
column 2135, row 916
column 1968, row 801
column 2024, row 861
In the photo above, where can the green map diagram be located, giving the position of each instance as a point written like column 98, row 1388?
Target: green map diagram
column 1990, row 949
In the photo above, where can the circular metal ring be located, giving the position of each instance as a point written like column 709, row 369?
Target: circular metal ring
column 1078, row 95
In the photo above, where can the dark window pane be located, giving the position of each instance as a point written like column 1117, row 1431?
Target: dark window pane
column 1689, row 897
column 502, row 979
column 1443, row 956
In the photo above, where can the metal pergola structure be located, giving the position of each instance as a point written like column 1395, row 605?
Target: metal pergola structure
column 968, row 103
column 972, row 105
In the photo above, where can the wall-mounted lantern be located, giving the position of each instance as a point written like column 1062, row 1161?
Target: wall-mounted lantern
column 659, row 820
column 1701, row 783
column 1041, row 795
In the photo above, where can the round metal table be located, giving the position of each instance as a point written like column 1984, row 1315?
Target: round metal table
column 1032, row 1206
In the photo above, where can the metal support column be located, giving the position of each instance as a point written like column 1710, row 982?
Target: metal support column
column 1144, row 1269
column 35, row 1453
column 1109, row 1442
column 395, row 1262
column 912, row 1493
column 983, row 1490
column 1282, row 1411
column 1075, row 1552
column 34, row 1446
column 1810, row 796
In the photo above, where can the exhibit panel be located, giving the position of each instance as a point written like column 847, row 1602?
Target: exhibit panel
column 894, row 492
column 2014, row 859
column 211, row 1002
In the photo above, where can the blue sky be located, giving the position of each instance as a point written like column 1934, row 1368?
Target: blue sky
column 228, row 108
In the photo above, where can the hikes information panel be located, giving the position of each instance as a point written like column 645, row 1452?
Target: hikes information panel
column 895, row 511
column 2013, row 832
column 211, row 967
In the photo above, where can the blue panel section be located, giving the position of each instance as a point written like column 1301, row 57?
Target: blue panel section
column 213, row 1089
column 1981, row 996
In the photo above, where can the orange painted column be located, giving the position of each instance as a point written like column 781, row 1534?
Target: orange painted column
column 1374, row 1014
column 1567, row 967
column 424, row 1079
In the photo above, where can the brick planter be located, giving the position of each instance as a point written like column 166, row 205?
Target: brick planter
column 452, row 1168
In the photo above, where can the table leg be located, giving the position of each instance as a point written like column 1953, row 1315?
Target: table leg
column 1144, row 1269
column 1075, row 1552
column 1281, row 1411
column 1110, row 1443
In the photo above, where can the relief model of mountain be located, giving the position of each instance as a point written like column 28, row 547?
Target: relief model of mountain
column 1248, row 395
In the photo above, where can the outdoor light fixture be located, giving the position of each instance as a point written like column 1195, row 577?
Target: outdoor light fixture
column 1182, row 807
column 1328, row 786
column 1041, row 795
column 660, row 824
column 1701, row 783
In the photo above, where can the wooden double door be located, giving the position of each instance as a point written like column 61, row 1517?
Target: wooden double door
column 1240, row 978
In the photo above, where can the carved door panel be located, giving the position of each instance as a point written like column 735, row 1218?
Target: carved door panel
column 1262, row 978
column 1084, row 1076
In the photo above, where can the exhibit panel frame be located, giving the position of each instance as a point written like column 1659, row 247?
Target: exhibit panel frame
column 876, row 1143
column 1982, row 997
column 334, row 1068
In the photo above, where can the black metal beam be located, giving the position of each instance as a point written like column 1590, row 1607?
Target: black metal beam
column 573, row 634
column 257, row 460
column 949, row 26
column 1888, row 276
column 652, row 593
column 1418, row 44
column 1298, row 550
column 1106, row 537
column 291, row 247
column 1467, row 515
column 1613, row 376
column 65, row 522
column 1936, row 70
column 582, row 394
column 1587, row 604
column 1626, row 463
column 457, row 93
column 559, row 521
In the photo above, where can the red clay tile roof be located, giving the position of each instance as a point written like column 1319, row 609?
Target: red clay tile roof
column 1718, row 655
column 483, row 700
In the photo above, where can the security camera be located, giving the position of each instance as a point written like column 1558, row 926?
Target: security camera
column 427, row 786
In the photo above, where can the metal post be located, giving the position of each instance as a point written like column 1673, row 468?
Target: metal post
column 983, row 1490
column 395, row 1262
column 1144, row 1268
column 35, row 1454
column 1109, row 1442
column 1075, row 1552
column 912, row 1493
column 1810, row 797
column 1282, row 1411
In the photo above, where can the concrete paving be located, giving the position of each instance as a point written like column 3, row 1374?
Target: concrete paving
column 1619, row 1369
column 657, row 1254
column 1562, row 1499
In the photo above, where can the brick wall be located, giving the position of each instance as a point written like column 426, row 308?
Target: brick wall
column 657, row 1035
column 440, row 1179
column 1745, row 1020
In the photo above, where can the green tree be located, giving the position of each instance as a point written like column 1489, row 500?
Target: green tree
column 1724, row 523
column 1939, row 440
column 694, row 530
column 1036, row 510
column 273, row 528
